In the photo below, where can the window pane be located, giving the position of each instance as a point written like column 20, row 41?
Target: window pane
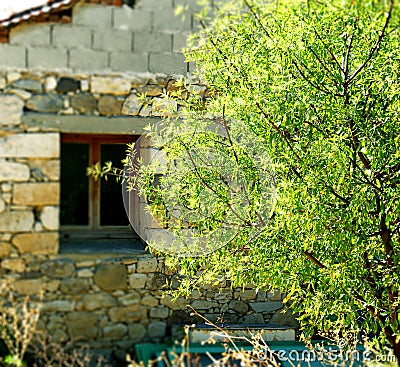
column 112, row 211
column 74, row 184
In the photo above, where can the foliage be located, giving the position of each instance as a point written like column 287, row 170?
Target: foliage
column 317, row 83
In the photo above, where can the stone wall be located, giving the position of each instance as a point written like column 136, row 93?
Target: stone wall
column 108, row 300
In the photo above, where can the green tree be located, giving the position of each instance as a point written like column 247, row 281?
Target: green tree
column 317, row 84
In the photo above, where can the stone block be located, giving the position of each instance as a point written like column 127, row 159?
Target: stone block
column 15, row 172
column 274, row 295
column 132, row 105
column 17, row 265
column 255, row 318
column 109, row 106
column 20, row 93
column 127, row 314
column 85, row 103
column 147, row 265
column 36, row 194
column 66, row 85
column 11, row 109
column 74, row 286
column 30, row 85
column 156, row 281
column 58, row 268
column 114, row 86
column 82, row 325
column 248, row 294
column 165, row 20
column 130, row 299
column 48, row 103
column 127, row 18
column 238, row 306
column 19, row 221
column 37, row 145
column 111, row 276
column 152, row 42
column 129, row 62
column 28, row 286
column 92, row 15
column 49, row 217
column 115, row 332
column 266, row 306
column 91, row 302
column 112, row 40
column 2, row 205
column 88, row 60
column 177, row 304
column 285, row 317
column 58, row 306
column 168, row 64
column 159, row 312
column 137, row 332
column 147, row 300
column 12, row 56
column 5, row 249
column 50, row 83
column 30, row 35
column 200, row 304
column 137, row 280
column 50, row 168
column 71, row 37
column 156, row 329
column 47, row 58
column 36, row 243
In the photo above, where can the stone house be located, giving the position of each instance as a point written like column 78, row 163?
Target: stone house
column 71, row 76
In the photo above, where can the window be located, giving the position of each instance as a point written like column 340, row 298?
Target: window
column 92, row 211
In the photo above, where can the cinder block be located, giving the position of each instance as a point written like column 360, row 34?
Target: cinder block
column 71, row 36
column 88, row 60
column 12, row 56
column 127, row 18
column 179, row 41
column 165, row 20
column 30, row 34
column 154, row 4
column 113, row 40
column 47, row 58
column 129, row 62
column 168, row 64
column 92, row 15
column 152, row 42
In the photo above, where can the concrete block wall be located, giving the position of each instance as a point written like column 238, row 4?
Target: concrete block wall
column 147, row 38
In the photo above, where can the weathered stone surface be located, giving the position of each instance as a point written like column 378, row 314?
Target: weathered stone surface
column 156, row 329
column 14, row 172
column 57, row 306
column 50, row 168
column 58, row 268
column 137, row 332
column 109, row 106
column 266, row 306
column 147, row 265
column 35, row 145
column 159, row 312
column 74, row 285
column 5, row 249
column 115, row 332
column 82, row 325
column 238, row 306
column 111, row 276
column 49, row 217
column 178, row 304
column 17, row 265
column 98, row 301
column 137, row 280
column 48, row 103
column 200, row 304
column 284, row 317
column 66, row 85
column 22, row 94
column 85, row 273
column 36, row 243
column 150, row 90
column 156, row 281
column 28, row 286
column 2, row 205
column 115, row 86
column 132, row 105
column 248, row 294
column 20, row 221
column 255, row 318
column 130, row 299
column 84, row 103
column 130, row 313
column 30, row 85
column 50, row 83
column 274, row 295
column 37, row 194
column 11, row 110
column 147, row 300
